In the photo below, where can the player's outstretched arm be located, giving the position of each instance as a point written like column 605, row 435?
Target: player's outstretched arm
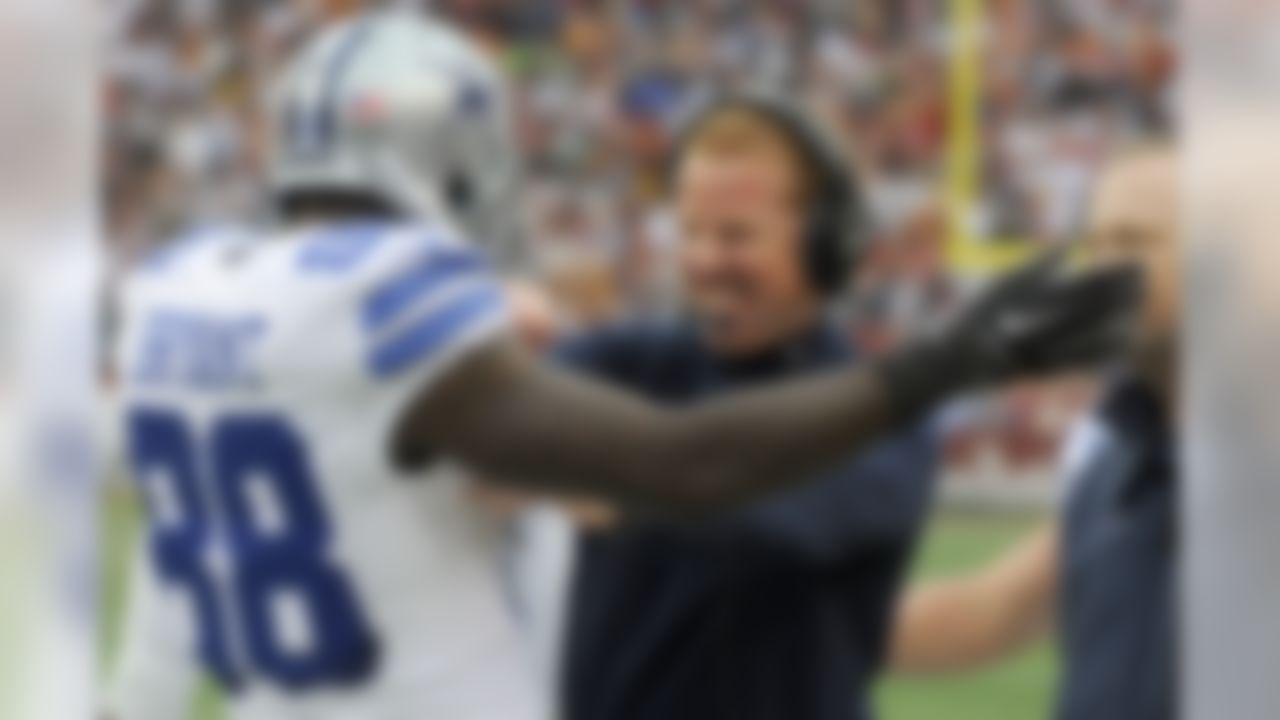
column 522, row 421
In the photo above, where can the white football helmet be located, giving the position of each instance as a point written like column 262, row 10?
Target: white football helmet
column 396, row 104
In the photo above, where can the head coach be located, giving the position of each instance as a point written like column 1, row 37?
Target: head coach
column 780, row 610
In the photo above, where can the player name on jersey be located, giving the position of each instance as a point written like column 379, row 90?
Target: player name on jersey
column 196, row 350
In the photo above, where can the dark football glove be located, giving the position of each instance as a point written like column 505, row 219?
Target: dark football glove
column 1037, row 321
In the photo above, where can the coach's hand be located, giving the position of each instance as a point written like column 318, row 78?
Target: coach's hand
column 1038, row 320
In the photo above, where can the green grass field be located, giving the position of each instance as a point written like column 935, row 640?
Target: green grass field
column 1020, row 689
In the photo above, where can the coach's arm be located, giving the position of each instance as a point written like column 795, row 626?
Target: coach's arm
column 965, row 622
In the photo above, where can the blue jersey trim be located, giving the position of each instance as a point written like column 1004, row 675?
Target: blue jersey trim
column 435, row 331
column 341, row 247
column 433, row 272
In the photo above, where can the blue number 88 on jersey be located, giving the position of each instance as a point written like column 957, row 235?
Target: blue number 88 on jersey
column 240, row 564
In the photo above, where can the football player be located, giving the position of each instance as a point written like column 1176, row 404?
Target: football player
column 294, row 398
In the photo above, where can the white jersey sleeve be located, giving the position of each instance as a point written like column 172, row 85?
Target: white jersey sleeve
column 428, row 298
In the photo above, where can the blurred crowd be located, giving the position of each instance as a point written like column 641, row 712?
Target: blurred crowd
column 601, row 86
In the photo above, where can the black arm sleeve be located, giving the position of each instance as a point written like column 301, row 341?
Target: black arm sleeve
column 523, row 421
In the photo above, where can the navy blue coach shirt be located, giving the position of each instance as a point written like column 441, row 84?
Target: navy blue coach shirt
column 776, row 612
column 1118, row 598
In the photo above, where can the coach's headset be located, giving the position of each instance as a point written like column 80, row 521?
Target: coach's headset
column 837, row 222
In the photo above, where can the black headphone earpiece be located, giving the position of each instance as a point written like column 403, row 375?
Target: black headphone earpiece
column 837, row 223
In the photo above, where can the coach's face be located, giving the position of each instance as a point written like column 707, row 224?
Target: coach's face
column 742, row 224
column 1134, row 219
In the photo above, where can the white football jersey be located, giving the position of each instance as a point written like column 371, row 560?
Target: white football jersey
column 262, row 378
